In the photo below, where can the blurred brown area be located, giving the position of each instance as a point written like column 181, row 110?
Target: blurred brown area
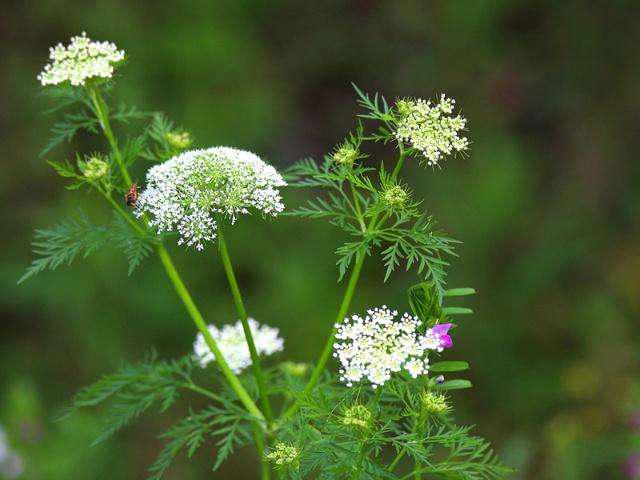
column 547, row 204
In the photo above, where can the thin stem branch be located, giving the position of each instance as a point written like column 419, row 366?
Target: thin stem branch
column 344, row 306
column 196, row 316
column 395, row 461
column 102, row 113
column 326, row 352
column 237, row 298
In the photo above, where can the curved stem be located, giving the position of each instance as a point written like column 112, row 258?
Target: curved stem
column 196, row 316
column 237, row 298
column 102, row 113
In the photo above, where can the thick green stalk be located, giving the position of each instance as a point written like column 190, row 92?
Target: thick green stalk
column 242, row 312
column 196, row 316
column 102, row 113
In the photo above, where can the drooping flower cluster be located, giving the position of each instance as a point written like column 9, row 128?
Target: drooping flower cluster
column 377, row 345
column 431, row 128
column 186, row 193
column 81, row 60
column 233, row 345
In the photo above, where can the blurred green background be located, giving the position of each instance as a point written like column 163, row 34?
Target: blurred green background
column 547, row 204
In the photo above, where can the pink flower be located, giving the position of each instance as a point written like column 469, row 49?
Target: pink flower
column 440, row 333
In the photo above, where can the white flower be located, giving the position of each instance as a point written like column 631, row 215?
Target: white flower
column 184, row 194
column 81, row 60
column 378, row 345
column 431, row 128
column 233, row 345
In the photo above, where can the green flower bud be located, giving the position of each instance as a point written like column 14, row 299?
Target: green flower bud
column 404, row 107
column 434, row 403
column 283, row 455
column 179, row 139
column 94, row 169
column 395, row 196
column 345, row 155
column 294, row 369
column 358, row 416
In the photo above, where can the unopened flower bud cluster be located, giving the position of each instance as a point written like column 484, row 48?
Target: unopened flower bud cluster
column 83, row 59
column 378, row 345
column 94, row 168
column 434, row 403
column 431, row 128
column 357, row 416
column 179, row 139
column 284, row 455
column 345, row 154
column 187, row 192
column 233, row 345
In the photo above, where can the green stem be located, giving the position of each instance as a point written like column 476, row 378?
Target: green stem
column 395, row 461
column 344, row 307
column 102, row 113
column 196, row 316
column 326, row 352
column 135, row 225
column 258, row 437
column 237, row 298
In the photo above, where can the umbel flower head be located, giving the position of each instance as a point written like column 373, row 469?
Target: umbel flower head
column 187, row 192
column 284, row 455
column 80, row 61
column 434, row 403
column 378, row 345
column 94, row 168
column 431, row 128
column 233, row 345
column 357, row 416
column 395, row 196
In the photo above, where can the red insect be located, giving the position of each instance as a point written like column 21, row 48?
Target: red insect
column 131, row 196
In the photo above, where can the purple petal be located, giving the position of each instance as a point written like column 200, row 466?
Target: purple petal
column 445, row 341
column 441, row 328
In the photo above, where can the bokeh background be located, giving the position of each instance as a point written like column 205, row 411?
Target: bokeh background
column 547, row 204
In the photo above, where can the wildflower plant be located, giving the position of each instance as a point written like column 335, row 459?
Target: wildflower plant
column 384, row 411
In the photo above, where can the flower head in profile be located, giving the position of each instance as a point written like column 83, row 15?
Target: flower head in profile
column 431, row 128
column 186, row 193
column 233, row 345
column 379, row 344
column 81, row 60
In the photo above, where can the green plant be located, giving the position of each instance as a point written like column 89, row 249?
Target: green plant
column 386, row 413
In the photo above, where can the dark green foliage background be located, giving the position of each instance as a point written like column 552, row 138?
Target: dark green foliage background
column 548, row 207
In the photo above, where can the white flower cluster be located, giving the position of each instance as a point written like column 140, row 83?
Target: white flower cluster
column 185, row 193
column 233, row 345
column 81, row 60
column 11, row 464
column 377, row 345
column 431, row 128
